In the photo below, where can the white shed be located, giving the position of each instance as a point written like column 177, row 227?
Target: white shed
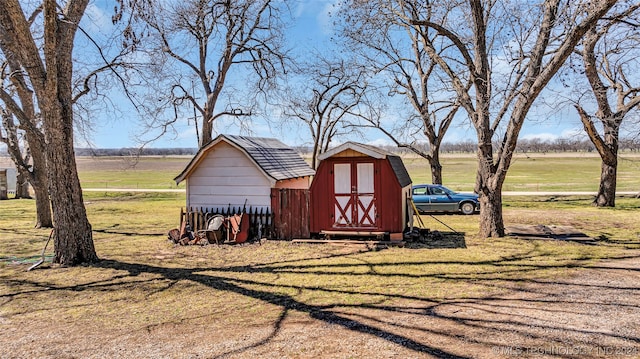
column 230, row 170
column 8, row 181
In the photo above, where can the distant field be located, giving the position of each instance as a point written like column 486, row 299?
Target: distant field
column 528, row 172
column 533, row 172
column 126, row 172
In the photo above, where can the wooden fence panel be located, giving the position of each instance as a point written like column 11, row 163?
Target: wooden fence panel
column 288, row 218
column 290, row 212
column 260, row 221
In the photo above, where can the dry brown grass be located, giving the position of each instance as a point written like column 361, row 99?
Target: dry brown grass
column 149, row 298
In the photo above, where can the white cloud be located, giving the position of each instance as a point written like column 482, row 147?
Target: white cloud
column 318, row 10
column 380, row 142
column 572, row 132
column 96, row 19
column 300, row 9
column 568, row 133
column 323, row 17
column 545, row 136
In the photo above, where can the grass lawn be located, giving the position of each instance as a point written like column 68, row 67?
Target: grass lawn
column 124, row 172
column 145, row 285
column 534, row 172
column 528, row 172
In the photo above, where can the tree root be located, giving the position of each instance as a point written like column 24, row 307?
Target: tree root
column 43, row 250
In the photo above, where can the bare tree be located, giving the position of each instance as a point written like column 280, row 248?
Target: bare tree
column 610, row 58
column 49, row 66
column 23, row 189
column 213, row 44
column 382, row 34
column 326, row 100
column 103, row 64
column 28, row 154
column 509, row 51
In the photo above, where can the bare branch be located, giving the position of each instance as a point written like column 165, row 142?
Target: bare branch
column 231, row 35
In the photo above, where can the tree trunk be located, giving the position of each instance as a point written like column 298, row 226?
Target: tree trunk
column 209, row 109
column 39, row 183
column 607, row 147
column 206, row 134
column 73, row 241
column 314, row 155
column 491, row 222
column 22, row 186
column 36, row 173
column 489, row 188
column 43, row 207
column 606, row 196
column 434, row 163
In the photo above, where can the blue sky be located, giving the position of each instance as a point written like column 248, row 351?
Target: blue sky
column 312, row 30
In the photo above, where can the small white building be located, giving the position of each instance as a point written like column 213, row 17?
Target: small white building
column 230, row 170
column 8, row 180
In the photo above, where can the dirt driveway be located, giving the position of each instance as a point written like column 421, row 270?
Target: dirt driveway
column 594, row 312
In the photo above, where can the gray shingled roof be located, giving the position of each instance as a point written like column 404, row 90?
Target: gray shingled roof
column 400, row 170
column 276, row 159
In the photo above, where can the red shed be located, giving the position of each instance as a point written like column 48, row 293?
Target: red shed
column 362, row 190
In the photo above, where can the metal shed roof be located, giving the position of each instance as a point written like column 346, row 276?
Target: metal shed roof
column 274, row 158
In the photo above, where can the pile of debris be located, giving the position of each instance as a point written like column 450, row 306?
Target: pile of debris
column 220, row 229
column 433, row 239
column 185, row 238
column 556, row 232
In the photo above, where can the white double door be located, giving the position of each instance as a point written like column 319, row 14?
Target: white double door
column 354, row 190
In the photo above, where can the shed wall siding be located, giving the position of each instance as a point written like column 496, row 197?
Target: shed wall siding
column 226, row 176
column 294, row 183
column 349, row 153
column 321, row 197
column 390, row 197
column 391, row 194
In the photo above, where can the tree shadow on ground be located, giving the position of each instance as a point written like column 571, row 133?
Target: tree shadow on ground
column 128, row 234
column 288, row 303
column 477, row 318
column 606, row 239
column 497, row 310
